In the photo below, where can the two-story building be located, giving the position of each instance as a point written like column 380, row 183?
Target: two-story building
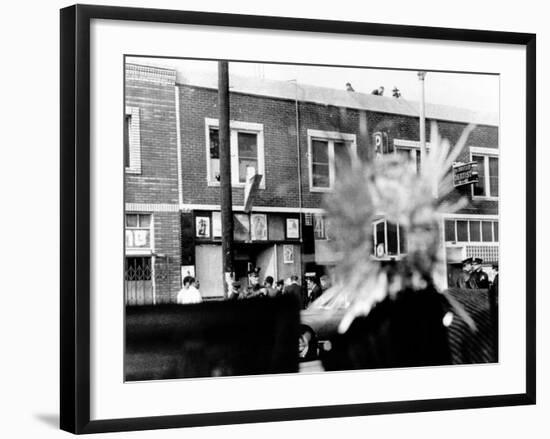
column 299, row 138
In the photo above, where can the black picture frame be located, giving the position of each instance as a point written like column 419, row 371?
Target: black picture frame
column 75, row 217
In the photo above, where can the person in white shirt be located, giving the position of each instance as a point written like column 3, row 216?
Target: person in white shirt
column 189, row 293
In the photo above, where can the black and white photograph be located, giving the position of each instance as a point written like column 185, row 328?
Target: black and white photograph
column 275, row 219
column 233, row 172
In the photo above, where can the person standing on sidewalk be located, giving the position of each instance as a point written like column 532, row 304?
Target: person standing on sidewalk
column 478, row 279
column 463, row 280
column 295, row 290
column 189, row 294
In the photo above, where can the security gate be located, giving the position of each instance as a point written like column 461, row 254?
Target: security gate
column 138, row 280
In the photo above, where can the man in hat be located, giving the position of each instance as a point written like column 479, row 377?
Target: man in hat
column 463, row 280
column 253, row 287
column 235, row 292
column 478, row 279
column 313, row 290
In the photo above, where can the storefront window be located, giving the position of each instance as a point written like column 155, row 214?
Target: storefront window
column 471, row 231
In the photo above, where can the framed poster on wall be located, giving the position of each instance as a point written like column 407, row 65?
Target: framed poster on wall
column 292, row 228
column 259, row 227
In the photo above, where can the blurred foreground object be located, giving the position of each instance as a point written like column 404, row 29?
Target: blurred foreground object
column 410, row 198
column 245, row 337
column 402, row 331
column 418, row 328
column 395, row 310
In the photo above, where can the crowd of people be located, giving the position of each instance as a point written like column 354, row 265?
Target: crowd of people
column 305, row 295
column 473, row 277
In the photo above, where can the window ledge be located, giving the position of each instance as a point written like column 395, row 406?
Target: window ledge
column 132, row 171
column 233, row 185
column 135, row 251
column 483, row 197
column 474, row 243
column 321, row 189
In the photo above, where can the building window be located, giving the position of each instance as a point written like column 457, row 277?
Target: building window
column 214, row 150
column 471, row 231
column 330, row 155
column 320, row 164
column 411, row 155
column 389, row 239
column 247, row 151
column 138, row 231
column 487, row 168
column 127, row 122
column 132, row 142
column 410, row 150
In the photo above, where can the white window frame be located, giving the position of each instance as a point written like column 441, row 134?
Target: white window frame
column 478, row 219
column 331, row 137
column 412, row 154
column 486, row 153
column 145, row 251
column 399, row 254
column 409, row 145
column 235, row 128
column 134, row 141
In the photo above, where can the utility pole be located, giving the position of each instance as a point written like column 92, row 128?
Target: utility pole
column 421, row 76
column 226, row 200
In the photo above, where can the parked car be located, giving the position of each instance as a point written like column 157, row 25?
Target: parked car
column 323, row 316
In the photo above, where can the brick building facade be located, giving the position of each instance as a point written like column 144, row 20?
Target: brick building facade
column 294, row 136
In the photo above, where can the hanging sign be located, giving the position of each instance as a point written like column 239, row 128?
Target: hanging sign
column 251, row 187
column 465, row 173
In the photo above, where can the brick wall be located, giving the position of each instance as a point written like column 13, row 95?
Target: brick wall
column 167, row 244
column 278, row 117
column 404, row 127
column 154, row 95
column 153, row 92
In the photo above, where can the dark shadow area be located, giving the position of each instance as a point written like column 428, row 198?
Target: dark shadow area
column 49, row 419
column 227, row 338
column 412, row 330
column 405, row 331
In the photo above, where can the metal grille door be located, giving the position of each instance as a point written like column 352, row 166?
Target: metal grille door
column 138, row 276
